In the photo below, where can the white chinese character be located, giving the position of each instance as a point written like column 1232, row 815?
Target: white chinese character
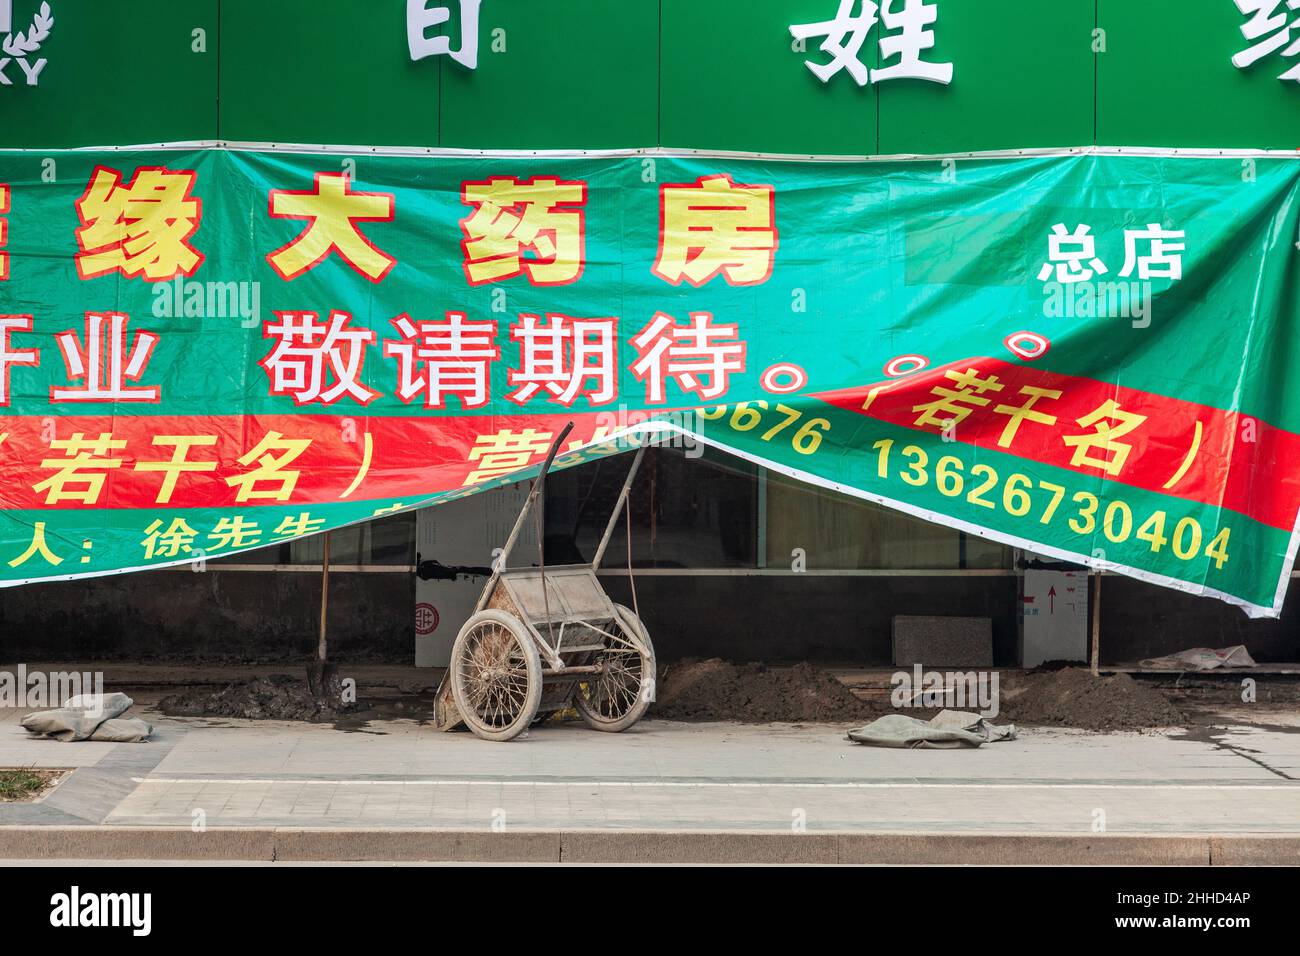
column 1164, row 261
column 688, row 353
column 307, row 349
column 420, row 17
column 914, row 38
column 1268, row 25
column 844, row 38
column 441, row 358
column 8, row 325
column 561, row 355
column 106, row 375
column 846, row 33
column 1069, row 251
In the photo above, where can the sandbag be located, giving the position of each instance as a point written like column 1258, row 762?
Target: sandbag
column 1203, row 659
column 974, row 723
column 123, row 730
column 89, row 717
column 947, row 730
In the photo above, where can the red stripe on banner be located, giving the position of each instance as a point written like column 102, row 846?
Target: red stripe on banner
column 1095, row 428
column 115, row 462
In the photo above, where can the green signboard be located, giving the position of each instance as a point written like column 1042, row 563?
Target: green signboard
column 599, row 74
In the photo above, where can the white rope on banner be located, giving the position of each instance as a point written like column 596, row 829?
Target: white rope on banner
column 665, row 152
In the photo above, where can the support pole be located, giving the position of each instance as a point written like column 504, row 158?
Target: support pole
column 1096, row 621
column 500, row 563
column 321, row 652
column 618, row 508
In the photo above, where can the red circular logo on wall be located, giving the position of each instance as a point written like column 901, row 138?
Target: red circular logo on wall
column 426, row 618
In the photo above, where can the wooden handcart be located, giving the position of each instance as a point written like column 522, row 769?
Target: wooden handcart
column 543, row 639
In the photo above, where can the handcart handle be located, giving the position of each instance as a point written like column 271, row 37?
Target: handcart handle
column 533, row 492
column 550, row 455
column 539, row 490
column 618, row 507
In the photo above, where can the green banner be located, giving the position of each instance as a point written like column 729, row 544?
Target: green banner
column 1083, row 353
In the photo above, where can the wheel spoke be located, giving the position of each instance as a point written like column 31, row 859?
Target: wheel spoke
column 493, row 675
column 614, row 692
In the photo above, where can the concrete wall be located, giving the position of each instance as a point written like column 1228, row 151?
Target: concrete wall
column 848, row 618
column 232, row 615
column 840, row 619
column 218, row 615
column 1142, row 620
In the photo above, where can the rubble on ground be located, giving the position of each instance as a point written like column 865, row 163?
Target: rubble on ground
column 714, row 689
column 1073, row 697
column 277, row 697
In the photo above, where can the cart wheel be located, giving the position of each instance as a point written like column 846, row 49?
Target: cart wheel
column 616, row 699
column 496, row 675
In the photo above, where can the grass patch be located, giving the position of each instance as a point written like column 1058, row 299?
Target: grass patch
column 26, row 785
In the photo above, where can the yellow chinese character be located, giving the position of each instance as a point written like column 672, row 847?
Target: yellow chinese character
column 1020, row 413
column 172, row 469
column 234, row 533
column 293, row 527
column 139, row 228
column 505, row 452
column 1103, row 437
column 513, row 216
column 270, row 468
column 72, row 481
column 714, row 227
column 955, row 402
column 332, row 211
column 38, row 546
column 167, row 544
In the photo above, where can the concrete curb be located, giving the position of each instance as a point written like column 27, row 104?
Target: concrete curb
column 641, row 846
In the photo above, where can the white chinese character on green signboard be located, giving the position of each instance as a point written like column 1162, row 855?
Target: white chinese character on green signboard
column 420, row 18
column 22, row 47
column 909, row 36
column 1270, row 30
column 1072, row 255
column 1163, row 260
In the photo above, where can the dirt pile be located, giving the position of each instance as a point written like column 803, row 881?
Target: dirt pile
column 1072, row 697
column 278, row 697
column 754, row 693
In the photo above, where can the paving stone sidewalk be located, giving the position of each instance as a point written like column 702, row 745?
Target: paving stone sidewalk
column 663, row 776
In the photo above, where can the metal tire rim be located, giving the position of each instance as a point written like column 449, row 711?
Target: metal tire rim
column 493, row 675
column 613, row 693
